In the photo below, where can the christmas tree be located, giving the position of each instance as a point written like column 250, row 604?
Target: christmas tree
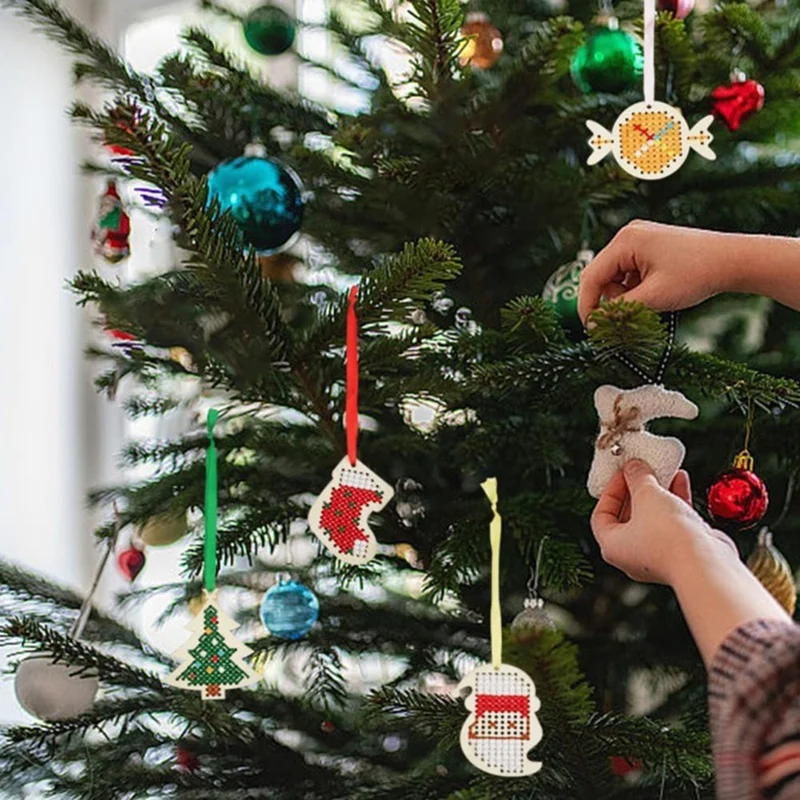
column 451, row 196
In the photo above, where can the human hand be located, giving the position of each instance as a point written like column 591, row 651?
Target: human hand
column 648, row 532
column 663, row 266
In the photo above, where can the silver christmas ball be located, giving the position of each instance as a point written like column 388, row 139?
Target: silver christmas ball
column 53, row 691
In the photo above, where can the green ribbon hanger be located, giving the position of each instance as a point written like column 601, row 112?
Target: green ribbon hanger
column 210, row 512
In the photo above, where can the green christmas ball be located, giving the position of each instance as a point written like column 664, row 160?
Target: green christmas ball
column 269, row 30
column 609, row 61
column 561, row 291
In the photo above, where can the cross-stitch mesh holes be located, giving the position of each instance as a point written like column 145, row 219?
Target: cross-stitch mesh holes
column 650, row 140
column 213, row 659
column 340, row 514
column 502, row 726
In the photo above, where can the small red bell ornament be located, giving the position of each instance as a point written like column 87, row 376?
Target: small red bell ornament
column 738, row 497
column 734, row 103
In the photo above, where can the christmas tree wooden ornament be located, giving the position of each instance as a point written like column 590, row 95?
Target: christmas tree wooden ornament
column 213, row 659
column 623, row 415
column 502, row 726
column 340, row 515
column 650, row 140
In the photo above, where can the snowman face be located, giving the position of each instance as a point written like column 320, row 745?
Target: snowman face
column 650, row 140
column 500, row 725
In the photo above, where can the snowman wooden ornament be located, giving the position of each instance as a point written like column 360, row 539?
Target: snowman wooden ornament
column 623, row 415
column 650, row 140
column 502, row 727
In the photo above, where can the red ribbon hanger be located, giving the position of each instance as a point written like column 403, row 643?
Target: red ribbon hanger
column 351, row 400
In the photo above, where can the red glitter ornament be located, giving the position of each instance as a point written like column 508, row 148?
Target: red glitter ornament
column 186, row 760
column 680, row 8
column 131, row 562
column 326, row 726
column 738, row 496
column 737, row 101
column 622, row 766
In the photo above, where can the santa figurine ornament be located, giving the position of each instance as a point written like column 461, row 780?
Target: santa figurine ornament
column 734, row 103
column 502, row 726
column 112, row 230
column 340, row 515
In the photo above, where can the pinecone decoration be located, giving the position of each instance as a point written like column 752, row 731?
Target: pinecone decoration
column 768, row 565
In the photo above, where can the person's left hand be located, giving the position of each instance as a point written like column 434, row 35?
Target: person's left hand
column 647, row 531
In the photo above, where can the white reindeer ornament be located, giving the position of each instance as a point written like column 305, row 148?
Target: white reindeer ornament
column 623, row 414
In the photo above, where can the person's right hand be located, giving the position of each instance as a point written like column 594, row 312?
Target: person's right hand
column 663, row 266
column 651, row 533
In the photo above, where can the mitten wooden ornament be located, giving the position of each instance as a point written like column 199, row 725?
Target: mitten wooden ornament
column 623, row 415
column 502, row 726
column 340, row 515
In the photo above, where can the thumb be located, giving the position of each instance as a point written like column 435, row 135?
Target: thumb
column 638, row 475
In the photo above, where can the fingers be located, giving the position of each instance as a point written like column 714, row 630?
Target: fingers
column 639, row 476
column 606, row 274
column 609, row 507
column 681, row 486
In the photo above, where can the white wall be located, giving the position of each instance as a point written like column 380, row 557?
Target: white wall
column 57, row 437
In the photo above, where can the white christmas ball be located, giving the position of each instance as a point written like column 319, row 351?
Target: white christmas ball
column 53, row 691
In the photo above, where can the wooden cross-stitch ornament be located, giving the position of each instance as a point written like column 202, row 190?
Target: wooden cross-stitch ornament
column 339, row 516
column 502, row 726
column 650, row 140
column 213, row 659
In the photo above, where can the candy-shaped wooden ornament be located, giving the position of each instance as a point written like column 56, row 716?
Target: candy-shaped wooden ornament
column 650, row 140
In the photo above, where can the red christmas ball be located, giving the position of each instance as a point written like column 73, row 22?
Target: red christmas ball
column 738, row 496
column 680, row 8
column 326, row 726
column 131, row 562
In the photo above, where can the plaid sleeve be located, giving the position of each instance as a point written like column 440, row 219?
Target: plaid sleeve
column 754, row 704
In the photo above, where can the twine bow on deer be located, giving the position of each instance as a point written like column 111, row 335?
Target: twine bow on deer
column 627, row 421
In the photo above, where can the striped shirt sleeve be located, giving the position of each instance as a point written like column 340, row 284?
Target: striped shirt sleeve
column 754, row 705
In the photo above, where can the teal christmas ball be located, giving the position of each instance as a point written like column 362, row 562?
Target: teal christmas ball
column 269, row 30
column 609, row 61
column 264, row 197
column 289, row 610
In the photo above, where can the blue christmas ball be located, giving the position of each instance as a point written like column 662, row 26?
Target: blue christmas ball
column 289, row 610
column 264, row 197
